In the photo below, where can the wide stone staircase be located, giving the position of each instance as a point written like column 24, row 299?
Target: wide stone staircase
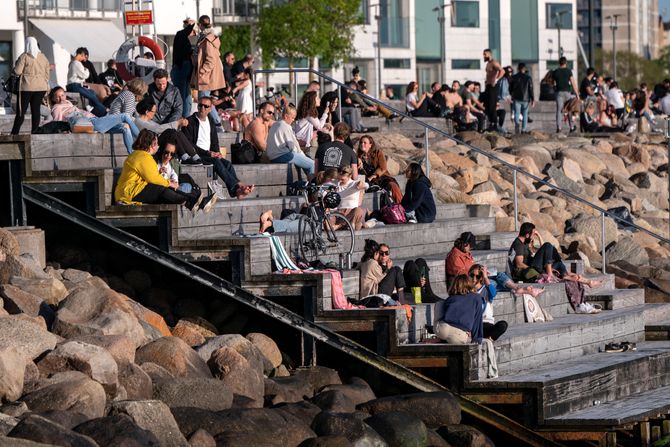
column 553, row 376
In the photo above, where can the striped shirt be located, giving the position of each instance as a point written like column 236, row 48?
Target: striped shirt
column 124, row 103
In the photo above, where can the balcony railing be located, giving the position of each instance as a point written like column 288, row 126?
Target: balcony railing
column 70, row 8
column 394, row 32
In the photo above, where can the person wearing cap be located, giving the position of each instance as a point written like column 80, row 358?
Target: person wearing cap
column 460, row 260
column 182, row 66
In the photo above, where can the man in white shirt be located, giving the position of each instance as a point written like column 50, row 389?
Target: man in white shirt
column 201, row 131
column 76, row 78
column 615, row 98
column 283, row 146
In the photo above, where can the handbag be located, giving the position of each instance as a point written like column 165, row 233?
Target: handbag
column 244, row 153
column 13, row 84
column 393, row 214
column 80, row 123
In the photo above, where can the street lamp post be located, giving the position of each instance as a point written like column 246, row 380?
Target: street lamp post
column 443, row 52
column 558, row 15
column 614, row 25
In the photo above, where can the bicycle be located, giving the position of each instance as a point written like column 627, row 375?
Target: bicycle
column 323, row 233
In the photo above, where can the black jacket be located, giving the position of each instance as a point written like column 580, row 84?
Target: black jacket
column 521, row 87
column 182, row 48
column 191, row 132
column 169, row 106
column 92, row 74
column 419, row 198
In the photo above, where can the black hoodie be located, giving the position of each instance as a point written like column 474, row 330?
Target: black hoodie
column 419, row 198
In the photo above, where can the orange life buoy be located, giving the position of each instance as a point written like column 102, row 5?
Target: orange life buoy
column 123, row 56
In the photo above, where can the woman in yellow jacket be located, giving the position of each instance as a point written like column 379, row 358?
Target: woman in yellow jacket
column 33, row 67
column 140, row 182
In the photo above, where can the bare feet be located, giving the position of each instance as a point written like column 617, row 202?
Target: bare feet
column 530, row 290
column 593, row 283
column 265, row 221
column 244, row 190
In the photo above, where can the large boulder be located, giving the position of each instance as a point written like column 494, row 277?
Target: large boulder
column 267, row 347
column 9, row 245
column 399, row 429
column 135, row 381
column 335, row 401
column 572, row 170
column 174, row 355
column 30, row 339
column 540, row 155
column 303, row 410
column 435, row 409
column 40, row 429
column 356, row 389
column 92, row 360
column 201, row 438
column 269, row 424
column 464, row 435
column 120, row 347
column 24, row 266
column 327, row 441
column 349, row 425
column 12, row 370
column 301, row 385
column 17, row 301
column 49, row 289
column 237, row 374
column 118, row 430
column 153, row 416
column 589, row 163
column 627, row 249
column 92, row 308
column 78, row 393
column 193, row 334
column 592, row 227
column 7, row 423
column 561, row 180
column 208, row 394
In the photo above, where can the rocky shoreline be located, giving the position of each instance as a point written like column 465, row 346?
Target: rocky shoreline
column 84, row 365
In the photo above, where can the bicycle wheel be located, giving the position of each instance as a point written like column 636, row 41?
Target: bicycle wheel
column 338, row 236
column 308, row 239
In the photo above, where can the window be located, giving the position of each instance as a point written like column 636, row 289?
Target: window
column 465, row 64
column 553, row 65
column 559, row 11
column 282, row 62
column 465, row 14
column 79, row 5
column 364, row 12
column 397, row 63
column 5, row 59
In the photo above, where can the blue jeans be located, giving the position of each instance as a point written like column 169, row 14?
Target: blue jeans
column 520, row 107
column 98, row 108
column 212, row 112
column 287, row 225
column 185, row 187
column 115, row 124
column 500, row 279
column 298, row 159
column 181, row 78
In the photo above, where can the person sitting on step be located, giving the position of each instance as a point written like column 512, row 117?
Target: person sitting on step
column 372, row 164
column 416, row 275
column 378, row 274
column 479, row 277
column 418, row 200
column 461, row 322
column 164, row 157
column 140, row 182
column 351, row 193
column 201, row 132
column 459, row 261
column 545, row 265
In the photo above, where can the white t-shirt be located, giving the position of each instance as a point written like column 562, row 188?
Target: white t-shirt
column 615, row 98
column 665, row 104
column 204, row 141
column 409, row 99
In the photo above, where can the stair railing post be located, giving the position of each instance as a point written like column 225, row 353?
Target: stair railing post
column 603, row 241
column 253, row 91
column 339, row 103
column 295, row 88
column 425, row 144
column 516, row 203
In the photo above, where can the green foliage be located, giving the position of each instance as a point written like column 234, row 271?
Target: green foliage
column 307, row 28
column 236, row 39
column 632, row 69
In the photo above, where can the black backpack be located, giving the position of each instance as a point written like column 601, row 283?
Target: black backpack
column 243, row 153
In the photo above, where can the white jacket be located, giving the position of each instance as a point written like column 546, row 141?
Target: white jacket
column 76, row 73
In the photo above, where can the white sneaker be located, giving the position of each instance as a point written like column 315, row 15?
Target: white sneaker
column 587, row 308
column 217, row 188
column 370, row 223
column 89, row 108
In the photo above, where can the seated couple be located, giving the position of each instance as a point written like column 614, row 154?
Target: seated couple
column 544, row 265
column 380, row 276
column 147, row 180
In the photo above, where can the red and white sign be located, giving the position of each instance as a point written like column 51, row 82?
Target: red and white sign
column 139, row 17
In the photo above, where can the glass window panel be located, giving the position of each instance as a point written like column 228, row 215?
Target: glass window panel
column 397, row 63
column 465, row 64
column 465, row 14
column 559, row 11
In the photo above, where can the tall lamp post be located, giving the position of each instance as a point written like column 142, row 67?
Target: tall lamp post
column 558, row 16
column 614, row 25
column 443, row 53
column 378, row 53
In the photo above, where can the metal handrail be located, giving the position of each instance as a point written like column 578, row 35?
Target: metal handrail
column 427, row 127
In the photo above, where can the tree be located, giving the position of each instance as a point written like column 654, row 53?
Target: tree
column 307, row 28
column 237, row 39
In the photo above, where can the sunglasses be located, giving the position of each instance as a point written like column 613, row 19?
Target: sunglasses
column 269, row 112
column 383, row 253
column 477, row 276
column 168, row 154
column 203, row 106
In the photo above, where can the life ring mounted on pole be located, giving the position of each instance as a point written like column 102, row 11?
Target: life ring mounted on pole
column 125, row 66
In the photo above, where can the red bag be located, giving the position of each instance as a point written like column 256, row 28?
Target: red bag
column 394, row 214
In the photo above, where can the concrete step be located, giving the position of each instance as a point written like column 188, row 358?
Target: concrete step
column 656, row 313
column 617, row 298
column 569, row 390
column 653, row 403
column 528, row 346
